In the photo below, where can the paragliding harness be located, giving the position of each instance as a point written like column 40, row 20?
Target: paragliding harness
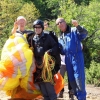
column 37, row 75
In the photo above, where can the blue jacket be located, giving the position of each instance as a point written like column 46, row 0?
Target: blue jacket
column 71, row 39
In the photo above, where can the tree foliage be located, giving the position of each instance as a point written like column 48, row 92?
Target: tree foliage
column 93, row 74
column 87, row 13
column 10, row 10
column 41, row 5
column 90, row 19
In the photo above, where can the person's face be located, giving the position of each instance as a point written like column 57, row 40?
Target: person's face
column 38, row 29
column 21, row 23
column 61, row 24
column 45, row 25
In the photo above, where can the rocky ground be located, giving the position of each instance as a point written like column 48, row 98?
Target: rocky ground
column 93, row 93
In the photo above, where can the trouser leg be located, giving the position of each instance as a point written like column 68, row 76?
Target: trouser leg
column 69, row 86
column 48, row 91
column 44, row 91
column 80, row 77
column 81, row 93
column 71, row 91
column 76, row 76
column 62, row 72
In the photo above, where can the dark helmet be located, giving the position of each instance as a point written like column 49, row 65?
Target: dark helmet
column 38, row 22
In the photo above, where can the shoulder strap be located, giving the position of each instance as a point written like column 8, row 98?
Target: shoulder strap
column 31, row 44
column 44, row 38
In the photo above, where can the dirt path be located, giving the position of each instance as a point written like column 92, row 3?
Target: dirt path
column 93, row 93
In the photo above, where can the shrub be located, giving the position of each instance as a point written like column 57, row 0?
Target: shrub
column 93, row 74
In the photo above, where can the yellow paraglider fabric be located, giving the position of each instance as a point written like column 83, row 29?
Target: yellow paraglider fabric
column 17, row 66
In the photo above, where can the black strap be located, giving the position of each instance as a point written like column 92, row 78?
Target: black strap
column 32, row 41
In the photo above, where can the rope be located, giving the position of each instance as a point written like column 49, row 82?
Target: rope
column 48, row 66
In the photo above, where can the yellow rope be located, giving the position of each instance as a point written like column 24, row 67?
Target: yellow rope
column 48, row 66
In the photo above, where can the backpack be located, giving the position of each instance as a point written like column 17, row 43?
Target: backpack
column 52, row 34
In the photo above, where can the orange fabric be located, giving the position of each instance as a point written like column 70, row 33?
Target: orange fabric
column 6, row 68
column 21, row 93
column 59, row 82
column 59, row 85
column 32, row 86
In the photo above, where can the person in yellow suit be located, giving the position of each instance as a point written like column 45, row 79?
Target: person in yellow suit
column 17, row 64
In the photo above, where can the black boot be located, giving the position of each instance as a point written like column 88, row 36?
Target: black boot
column 71, row 95
column 61, row 93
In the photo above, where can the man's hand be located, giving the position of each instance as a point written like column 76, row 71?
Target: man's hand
column 75, row 23
column 14, row 27
column 15, row 24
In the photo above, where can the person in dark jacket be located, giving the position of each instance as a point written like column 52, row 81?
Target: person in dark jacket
column 70, row 42
column 54, row 36
column 41, row 44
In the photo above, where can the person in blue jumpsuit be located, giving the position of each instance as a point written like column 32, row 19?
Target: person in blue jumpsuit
column 70, row 46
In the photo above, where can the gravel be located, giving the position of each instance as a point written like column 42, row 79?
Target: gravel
column 93, row 93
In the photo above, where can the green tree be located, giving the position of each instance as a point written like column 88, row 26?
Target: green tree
column 42, row 7
column 10, row 10
column 90, row 19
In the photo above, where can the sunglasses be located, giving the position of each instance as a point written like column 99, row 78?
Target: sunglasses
column 38, row 27
column 59, row 22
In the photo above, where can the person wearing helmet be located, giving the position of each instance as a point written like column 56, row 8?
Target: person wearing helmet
column 42, row 43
